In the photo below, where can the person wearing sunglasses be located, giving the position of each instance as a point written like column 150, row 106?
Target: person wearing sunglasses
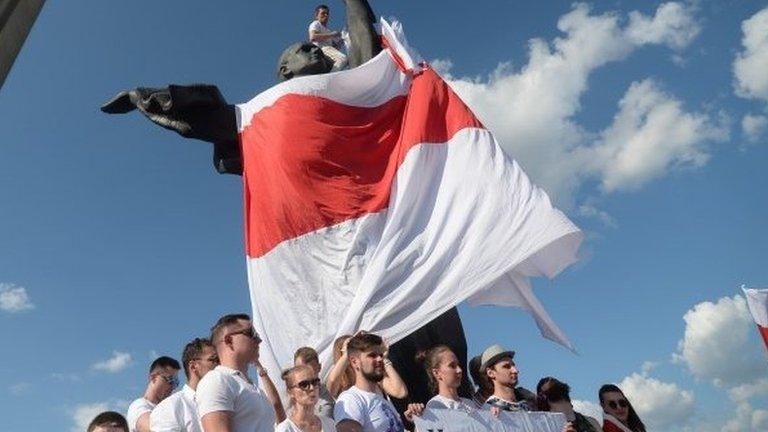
column 163, row 379
column 307, row 356
column 618, row 413
column 303, row 387
column 178, row 412
column 227, row 399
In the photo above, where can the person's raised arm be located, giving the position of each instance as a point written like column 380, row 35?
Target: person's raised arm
column 392, row 383
column 336, row 376
column 272, row 394
column 365, row 42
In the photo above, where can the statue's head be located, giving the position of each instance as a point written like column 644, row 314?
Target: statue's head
column 302, row 58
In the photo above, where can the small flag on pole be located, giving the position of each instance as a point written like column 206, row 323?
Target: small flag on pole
column 757, row 301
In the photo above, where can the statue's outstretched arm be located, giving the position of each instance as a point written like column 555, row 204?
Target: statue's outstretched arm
column 195, row 111
column 365, row 42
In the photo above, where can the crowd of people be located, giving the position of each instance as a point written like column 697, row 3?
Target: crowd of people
column 220, row 396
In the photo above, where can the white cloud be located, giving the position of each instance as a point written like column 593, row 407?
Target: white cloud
column 588, row 408
column 590, row 211
column 14, row 299
column 751, row 63
column 747, row 419
column 531, row 111
column 84, row 413
column 749, row 390
column 719, row 344
column 659, row 404
column 753, row 126
column 118, row 362
column 672, row 25
column 650, row 134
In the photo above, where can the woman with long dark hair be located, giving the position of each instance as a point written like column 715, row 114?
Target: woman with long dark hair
column 618, row 413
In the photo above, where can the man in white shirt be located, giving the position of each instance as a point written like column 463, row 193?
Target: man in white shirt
column 178, row 412
column 363, row 407
column 329, row 41
column 163, row 379
column 227, row 399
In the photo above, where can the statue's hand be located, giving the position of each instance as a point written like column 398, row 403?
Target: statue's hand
column 195, row 111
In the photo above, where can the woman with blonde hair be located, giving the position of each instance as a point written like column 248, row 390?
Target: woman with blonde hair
column 303, row 387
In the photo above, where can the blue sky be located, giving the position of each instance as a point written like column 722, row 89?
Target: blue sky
column 646, row 122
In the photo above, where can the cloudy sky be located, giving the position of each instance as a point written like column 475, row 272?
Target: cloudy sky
column 646, row 122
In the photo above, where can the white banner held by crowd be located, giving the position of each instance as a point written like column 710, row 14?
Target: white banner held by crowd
column 447, row 420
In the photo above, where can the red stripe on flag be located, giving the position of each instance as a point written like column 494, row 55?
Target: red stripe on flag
column 764, row 334
column 312, row 163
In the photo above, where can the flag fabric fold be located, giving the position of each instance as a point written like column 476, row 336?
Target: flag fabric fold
column 376, row 200
column 757, row 302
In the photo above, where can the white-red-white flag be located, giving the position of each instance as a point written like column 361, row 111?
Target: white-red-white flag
column 757, row 301
column 376, row 200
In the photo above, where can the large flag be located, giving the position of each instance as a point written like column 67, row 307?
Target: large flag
column 376, row 200
column 757, row 301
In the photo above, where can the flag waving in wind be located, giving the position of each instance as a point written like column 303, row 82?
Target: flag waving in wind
column 757, row 301
column 376, row 200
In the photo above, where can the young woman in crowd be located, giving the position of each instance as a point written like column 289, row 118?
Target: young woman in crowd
column 342, row 376
column 444, row 375
column 554, row 396
column 618, row 414
column 303, row 387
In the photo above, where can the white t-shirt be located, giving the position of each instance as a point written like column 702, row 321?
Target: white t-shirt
column 442, row 402
column 176, row 413
column 316, row 27
column 226, row 389
column 135, row 410
column 326, row 424
column 371, row 410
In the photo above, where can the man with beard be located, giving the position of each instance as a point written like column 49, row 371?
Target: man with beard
column 163, row 379
column 178, row 412
column 363, row 407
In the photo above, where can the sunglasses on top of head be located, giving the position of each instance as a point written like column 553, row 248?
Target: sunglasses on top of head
column 620, row 403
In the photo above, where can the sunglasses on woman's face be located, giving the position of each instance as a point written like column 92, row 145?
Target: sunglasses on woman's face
column 308, row 384
column 620, row 403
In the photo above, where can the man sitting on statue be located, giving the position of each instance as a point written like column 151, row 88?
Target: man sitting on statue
column 330, row 42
